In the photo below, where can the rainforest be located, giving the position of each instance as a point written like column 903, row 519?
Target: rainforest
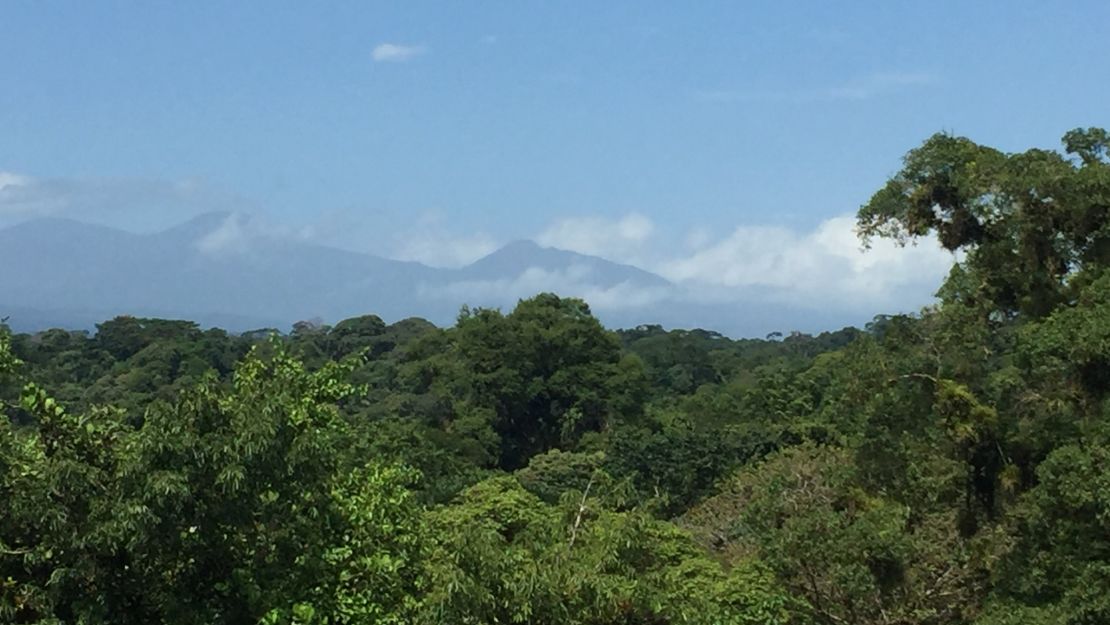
column 533, row 466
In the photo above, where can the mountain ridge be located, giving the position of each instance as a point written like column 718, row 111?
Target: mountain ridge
column 210, row 267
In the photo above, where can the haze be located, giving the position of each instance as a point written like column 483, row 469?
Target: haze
column 693, row 165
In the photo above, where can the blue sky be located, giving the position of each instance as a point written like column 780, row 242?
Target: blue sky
column 478, row 123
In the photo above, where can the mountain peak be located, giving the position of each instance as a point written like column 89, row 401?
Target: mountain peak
column 523, row 244
column 519, row 246
column 522, row 254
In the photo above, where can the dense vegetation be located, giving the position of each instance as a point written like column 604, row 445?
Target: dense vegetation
column 534, row 467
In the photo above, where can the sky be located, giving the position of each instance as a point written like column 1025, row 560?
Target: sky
column 719, row 143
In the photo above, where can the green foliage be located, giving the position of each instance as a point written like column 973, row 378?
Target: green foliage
column 544, row 375
column 944, row 468
column 1028, row 222
column 504, row 556
column 1058, row 560
column 677, row 465
column 854, row 557
column 225, row 506
column 550, row 475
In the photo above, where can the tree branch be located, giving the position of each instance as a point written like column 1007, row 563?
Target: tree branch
column 581, row 511
column 920, row 376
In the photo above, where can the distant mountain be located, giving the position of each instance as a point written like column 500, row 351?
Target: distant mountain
column 528, row 254
column 222, row 269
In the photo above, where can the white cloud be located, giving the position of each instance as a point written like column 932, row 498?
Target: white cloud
column 239, row 234
column 621, row 239
column 573, row 281
column 430, row 242
column 393, row 52
column 18, row 199
column 819, row 268
column 698, row 238
column 443, row 250
column 824, row 267
column 12, row 180
column 230, row 237
column 136, row 205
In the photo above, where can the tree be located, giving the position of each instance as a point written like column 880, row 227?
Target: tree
column 1057, row 567
column 1029, row 223
column 226, row 505
column 544, row 374
column 853, row 556
column 354, row 334
column 504, row 556
column 124, row 336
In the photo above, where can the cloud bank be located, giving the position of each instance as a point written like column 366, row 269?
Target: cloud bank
column 823, row 266
column 622, row 238
column 431, row 242
column 574, row 281
column 817, row 268
column 12, row 180
column 137, row 205
column 821, row 270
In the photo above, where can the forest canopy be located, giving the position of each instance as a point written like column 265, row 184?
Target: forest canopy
column 532, row 466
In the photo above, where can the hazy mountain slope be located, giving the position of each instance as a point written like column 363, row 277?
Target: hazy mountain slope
column 215, row 267
column 519, row 255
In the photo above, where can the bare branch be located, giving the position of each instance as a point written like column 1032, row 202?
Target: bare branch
column 581, row 511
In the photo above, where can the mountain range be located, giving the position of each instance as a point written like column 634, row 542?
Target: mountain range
column 220, row 269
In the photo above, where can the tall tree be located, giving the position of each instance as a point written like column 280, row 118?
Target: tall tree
column 1028, row 223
